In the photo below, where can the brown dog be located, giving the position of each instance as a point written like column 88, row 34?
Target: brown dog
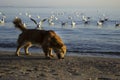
column 48, row 40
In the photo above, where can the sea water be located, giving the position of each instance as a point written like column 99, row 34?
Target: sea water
column 81, row 39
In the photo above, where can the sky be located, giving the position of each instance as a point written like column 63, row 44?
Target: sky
column 62, row 3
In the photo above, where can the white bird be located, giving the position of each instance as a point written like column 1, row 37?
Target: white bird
column 38, row 17
column 20, row 13
column 63, row 23
column 105, row 18
column 117, row 25
column 2, row 21
column 39, row 24
column 56, row 18
column 29, row 16
column 99, row 23
column 26, row 14
column 73, row 23
column 69, row 17
column 85, row 19
column 1, row 13
column 50, row 21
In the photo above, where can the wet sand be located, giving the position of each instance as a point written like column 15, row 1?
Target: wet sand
column 36, row 67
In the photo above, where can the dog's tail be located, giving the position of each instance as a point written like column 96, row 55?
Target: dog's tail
column 18, row 24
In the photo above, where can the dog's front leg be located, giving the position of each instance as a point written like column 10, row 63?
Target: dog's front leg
column 18, row 51
column 46, row 51
column 50, row 53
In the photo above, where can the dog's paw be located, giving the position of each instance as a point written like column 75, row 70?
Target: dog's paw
column 52, row 56
column 17, row 54
column 28, row 53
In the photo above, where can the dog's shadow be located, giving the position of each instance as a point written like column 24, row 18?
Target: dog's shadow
column 23, row 57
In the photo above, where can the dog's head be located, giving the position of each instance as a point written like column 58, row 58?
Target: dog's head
column 60, row 52
column 58, row 46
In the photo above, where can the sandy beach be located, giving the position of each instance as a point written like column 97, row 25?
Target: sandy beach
column 36, row 67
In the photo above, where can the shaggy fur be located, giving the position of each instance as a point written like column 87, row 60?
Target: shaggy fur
column 48, row 40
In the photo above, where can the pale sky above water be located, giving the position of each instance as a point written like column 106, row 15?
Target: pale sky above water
column 62, row 3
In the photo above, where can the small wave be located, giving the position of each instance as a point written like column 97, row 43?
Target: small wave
column 95, row 52
column 8, row 45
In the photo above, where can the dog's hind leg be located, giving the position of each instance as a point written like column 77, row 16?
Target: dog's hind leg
column 26, row 47
column 18, row 49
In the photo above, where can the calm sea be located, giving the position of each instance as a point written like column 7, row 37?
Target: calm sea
column 81, row 39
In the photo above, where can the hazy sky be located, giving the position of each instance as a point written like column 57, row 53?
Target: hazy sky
column 69, row 3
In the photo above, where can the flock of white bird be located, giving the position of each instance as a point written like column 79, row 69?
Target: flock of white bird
column 52, row 18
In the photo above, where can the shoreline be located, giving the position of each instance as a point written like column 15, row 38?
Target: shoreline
column 36, row 67
column 84, row 54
